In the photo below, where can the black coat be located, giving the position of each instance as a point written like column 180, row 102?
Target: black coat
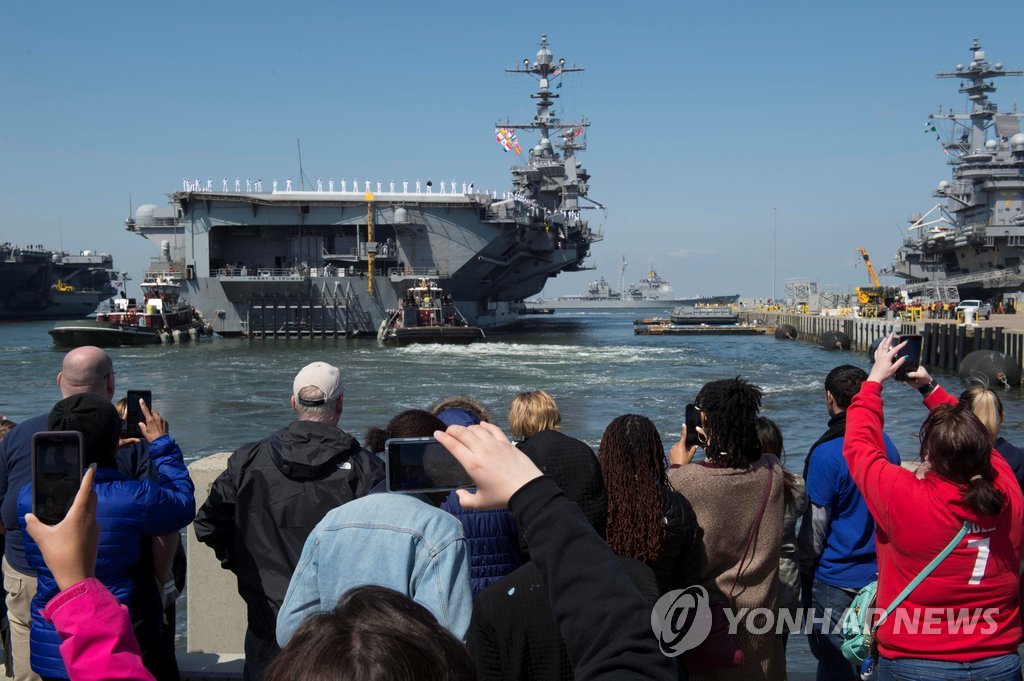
column 272, row 494
column 681, row 550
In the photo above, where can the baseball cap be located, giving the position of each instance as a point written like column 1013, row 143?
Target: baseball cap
column 321, row 375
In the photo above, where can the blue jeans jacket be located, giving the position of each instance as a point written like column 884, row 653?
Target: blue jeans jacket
column 390, row 540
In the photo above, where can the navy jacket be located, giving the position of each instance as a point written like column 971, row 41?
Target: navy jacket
column 128, row 511
column 493, row 543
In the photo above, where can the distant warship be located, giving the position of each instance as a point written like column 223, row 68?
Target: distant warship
column 298, row 262
column 38, row 283
column 972, row 245
column 650, row 292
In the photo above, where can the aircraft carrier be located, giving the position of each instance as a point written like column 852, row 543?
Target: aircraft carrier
column 38, row 283
column 332, row 261
column 971, row 243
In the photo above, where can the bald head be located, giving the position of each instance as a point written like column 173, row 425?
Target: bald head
column 87, row 370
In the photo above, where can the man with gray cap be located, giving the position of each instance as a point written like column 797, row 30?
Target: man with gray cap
column 274, row 492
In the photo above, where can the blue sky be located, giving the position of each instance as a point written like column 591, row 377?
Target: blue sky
column 704, row 116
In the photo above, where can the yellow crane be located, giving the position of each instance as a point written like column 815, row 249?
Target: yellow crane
column 874, row 299
column 871, row 270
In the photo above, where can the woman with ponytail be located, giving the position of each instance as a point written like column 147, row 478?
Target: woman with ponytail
column 987, row 406
column 963, row 620
column 647, row 520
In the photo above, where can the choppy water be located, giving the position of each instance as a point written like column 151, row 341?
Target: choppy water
column 222, row 393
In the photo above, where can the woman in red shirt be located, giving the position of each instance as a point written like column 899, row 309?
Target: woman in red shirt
column 963, row 620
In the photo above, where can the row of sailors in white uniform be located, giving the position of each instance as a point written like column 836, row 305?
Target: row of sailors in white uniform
column 251, row 185
column 257, row 185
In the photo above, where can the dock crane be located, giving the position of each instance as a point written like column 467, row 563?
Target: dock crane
column 875, row 298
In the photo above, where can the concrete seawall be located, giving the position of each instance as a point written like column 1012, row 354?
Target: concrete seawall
column 216, row 613
column 945, row 344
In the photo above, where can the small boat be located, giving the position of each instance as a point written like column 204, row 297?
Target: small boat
column 711, row 315
column 162, row 318
column 427, row 315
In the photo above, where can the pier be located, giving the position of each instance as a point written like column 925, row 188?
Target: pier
column 945, row 342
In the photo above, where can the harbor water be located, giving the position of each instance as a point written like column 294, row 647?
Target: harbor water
column 219, row 394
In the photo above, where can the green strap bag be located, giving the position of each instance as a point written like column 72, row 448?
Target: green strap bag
column 858, row 632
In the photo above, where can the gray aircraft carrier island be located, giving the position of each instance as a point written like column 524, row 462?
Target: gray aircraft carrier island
column 326, row 263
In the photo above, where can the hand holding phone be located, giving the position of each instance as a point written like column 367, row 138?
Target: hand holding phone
column 911, row 353
column 422, row 464
column 498, row 467
column 70, row 547
column 56, row 473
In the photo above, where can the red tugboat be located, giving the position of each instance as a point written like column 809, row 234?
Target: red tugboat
column 427, row 315
column 161, row 318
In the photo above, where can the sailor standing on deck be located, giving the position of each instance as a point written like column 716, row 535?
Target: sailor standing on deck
column 238, row 184
column 224, row 184
column 288, row 185
column 275, row 185
column 330, row 184
column 405, row 186
column 248, row 184
column 344, row 185
column 319, row 184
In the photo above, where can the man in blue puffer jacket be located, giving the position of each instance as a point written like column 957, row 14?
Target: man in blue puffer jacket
column 127, row 510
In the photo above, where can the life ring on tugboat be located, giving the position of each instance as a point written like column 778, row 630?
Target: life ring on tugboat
column 130, row 315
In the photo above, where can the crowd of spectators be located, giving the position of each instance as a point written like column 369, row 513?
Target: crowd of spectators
column 555, row 566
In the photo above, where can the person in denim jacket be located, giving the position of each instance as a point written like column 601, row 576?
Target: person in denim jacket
column 391, row 540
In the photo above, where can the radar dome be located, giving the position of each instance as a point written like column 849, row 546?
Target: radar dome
column 944, row 185
column 1018, row 141
column 991, row 144
column 544, row 55
column 959, row 67
column 146, row 210
column 401, row 216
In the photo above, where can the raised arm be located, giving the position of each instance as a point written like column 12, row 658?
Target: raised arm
column 607, row 638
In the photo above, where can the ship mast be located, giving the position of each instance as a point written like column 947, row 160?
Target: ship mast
column 977, row 87
column 545, row 70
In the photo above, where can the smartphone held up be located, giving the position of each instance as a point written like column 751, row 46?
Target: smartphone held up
column 693, row 420
column 422, row 464
column 911, row 353
column 57, row 458
column 135, row 415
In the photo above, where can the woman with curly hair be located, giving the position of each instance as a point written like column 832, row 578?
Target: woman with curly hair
column 737, row 496
column 647, row 520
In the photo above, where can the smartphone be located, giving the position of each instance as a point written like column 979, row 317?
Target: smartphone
column 56, row 473
column 422, row 464
column 135, row 415
column 912, row 351
column 692, row 421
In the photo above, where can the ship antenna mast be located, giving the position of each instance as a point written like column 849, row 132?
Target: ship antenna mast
column 546, row 70
column 622, row 276
column 976, row 83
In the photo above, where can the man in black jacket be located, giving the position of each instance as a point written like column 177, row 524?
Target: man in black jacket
column 272, row 494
